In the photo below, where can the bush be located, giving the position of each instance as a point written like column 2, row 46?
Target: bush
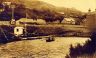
column 89, row 48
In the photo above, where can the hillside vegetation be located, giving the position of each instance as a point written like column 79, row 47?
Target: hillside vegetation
column 38, row 9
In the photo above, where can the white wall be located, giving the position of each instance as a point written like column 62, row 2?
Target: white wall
column 19, row 32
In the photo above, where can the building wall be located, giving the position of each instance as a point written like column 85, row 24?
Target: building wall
column 18, row 31
column 91, row 21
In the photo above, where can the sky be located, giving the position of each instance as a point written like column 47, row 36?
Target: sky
column 82, row 5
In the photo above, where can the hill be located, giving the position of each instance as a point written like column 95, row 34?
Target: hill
column 40, row 9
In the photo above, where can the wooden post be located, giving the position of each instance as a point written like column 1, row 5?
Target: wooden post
column 13, row 20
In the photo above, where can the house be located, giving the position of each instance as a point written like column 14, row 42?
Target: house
column 22, row 21
column 68, row 21
column 18, row 31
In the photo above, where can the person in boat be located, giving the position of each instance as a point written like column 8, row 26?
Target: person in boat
column 50, row 38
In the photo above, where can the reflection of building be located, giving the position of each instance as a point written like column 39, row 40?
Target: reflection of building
column 91, row 19
column 69, row 21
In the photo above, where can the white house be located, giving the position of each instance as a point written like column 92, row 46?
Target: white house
column 68, row 21
column 18, row 31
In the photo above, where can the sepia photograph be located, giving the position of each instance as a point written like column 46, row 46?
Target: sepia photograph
column 47, row 28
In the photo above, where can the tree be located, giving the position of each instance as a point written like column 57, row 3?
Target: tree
column 79, row 19
column 59, row 17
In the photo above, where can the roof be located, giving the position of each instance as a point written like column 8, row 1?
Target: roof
column 19, row 27
column 41, row 21
column 69, row 19
column 25, row 20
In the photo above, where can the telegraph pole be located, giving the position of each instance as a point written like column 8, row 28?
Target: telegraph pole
column 25, row 22
column 12, row 20
column 26, row 13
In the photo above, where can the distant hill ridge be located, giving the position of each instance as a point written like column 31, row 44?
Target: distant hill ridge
column 40, row 5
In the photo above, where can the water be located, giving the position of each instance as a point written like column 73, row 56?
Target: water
column 40, row 48
column 62, row 45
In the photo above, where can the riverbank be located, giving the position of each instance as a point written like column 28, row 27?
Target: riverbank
column 56, row 30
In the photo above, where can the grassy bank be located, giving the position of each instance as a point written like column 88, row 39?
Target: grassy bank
column 59, row 30
column 56, row 30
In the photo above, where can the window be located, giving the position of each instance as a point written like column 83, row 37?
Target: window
column 17, row 30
